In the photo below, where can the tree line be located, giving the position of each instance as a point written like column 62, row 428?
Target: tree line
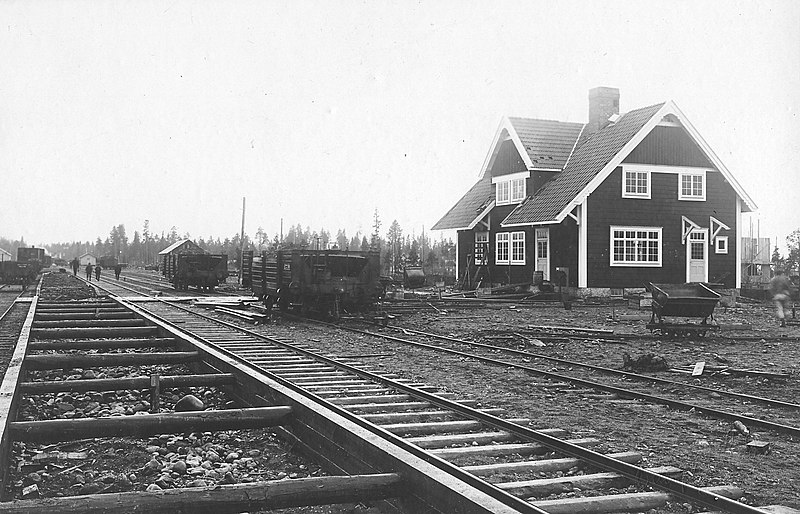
column 398, row 249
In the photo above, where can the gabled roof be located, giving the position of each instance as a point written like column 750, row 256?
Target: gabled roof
column 542, row 144
column 86, row 255
column 597, row 157
column 470, row 208
column 4, row 252
column 174, row 246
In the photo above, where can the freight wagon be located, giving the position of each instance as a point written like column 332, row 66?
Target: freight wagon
column 15, row 272
column 327, row 282
column 202, row 270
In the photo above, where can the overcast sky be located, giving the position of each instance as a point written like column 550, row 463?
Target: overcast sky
column 322, row 111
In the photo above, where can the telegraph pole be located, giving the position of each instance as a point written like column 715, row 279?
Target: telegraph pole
column 241, row 243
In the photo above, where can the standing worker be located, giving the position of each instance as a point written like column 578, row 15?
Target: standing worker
column 97, row 270
column 75, row 265
column 780, row 287
column 89, row 269
column 117, row 270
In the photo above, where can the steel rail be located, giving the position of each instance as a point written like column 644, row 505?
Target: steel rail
column 466, row 477
column 469, row 478
column 596, row 385
column 635, row 473
column 626, row 374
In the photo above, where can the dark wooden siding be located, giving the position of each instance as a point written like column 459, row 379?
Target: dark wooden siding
column 668, row 146
column 507, row 160
column 564, row 249
column 607, row 207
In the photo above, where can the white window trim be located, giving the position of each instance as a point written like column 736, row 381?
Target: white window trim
column 691, row 198
column 636, row 169
column 508, row 180
column 508, row 238
column 502, row 237
column 613, row 263
column 516, row 262
column 717, row 248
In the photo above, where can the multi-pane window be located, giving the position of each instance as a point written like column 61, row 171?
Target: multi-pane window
column 635, row 246
column 518, row 248
column 510, row 248
column 481, row 248
column 503, row 192
column 510, row 191
column 517, row 190
column 692, row 186
column 501, row 248
column 636, row 184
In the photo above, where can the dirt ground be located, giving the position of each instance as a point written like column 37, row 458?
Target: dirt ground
column 709, row 450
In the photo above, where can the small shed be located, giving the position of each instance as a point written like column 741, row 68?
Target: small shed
column 87, row 258
column 4, row 255
column 168, row 255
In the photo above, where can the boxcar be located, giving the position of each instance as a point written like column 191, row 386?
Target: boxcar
column 15, row 272
column 202, row 270
column 327, row 282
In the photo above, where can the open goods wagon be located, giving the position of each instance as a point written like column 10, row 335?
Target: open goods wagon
column 202, row 270
column 327, row 282
column 692, row 300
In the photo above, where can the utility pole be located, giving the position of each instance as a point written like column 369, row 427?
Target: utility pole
column 241, row 242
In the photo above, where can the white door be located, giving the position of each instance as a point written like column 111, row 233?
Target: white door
column 697, row 256
column 543, row 251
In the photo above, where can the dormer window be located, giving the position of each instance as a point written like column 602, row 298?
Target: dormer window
column 510, row 188
column 635, row 182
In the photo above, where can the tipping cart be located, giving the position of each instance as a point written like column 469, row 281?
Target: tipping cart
column 692, row 300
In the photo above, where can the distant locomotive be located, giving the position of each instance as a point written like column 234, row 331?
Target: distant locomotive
column 327, row 282
column 202, row 270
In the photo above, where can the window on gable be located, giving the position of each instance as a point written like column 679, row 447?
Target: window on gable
column 636, row 183
column 636, row 246
column 503, row 192
column 517, row 189
column 692, row 186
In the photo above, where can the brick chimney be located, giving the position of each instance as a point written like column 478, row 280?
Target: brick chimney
column 603, row 102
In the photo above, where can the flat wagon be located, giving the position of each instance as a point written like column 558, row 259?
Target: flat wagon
column 692, row 300
column 331, row 283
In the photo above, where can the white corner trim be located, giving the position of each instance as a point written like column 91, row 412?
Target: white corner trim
column 508, row 128
column 482, row 214
column 668, row 108
column 738, row 243
column 511, row 176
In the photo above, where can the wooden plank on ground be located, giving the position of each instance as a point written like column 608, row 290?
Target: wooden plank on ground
column 76, row 360
column 225, row 499
column 149, row 424
column 119, row 384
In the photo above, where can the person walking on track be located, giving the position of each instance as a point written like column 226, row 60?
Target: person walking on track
column 75, row 265
column 89, row 269
column 97, row 270
column 781, row 289
column 117, row 270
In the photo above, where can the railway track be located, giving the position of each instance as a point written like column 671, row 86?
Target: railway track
column 451, row 432
column 420, row 448
column 780, row 415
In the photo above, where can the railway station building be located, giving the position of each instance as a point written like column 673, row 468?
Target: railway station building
column 87, row 258
column 616, row 202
